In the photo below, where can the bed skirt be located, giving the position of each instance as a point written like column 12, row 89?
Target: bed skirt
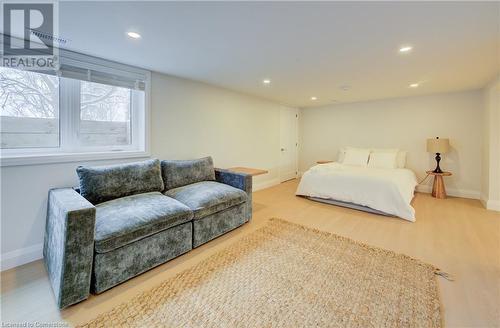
column 349, row 205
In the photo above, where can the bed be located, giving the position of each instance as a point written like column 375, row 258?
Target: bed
column 386, row 191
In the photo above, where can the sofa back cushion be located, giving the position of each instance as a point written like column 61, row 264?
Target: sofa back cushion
column 102, row 183
column 181, row 173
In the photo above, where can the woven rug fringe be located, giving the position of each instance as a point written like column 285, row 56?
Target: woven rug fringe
column 443, row 274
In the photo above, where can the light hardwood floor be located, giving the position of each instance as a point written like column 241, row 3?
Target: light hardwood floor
column 457, row 235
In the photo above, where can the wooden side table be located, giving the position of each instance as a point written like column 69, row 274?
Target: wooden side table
column 324, row 162
column 247, row 170
column 438, row 189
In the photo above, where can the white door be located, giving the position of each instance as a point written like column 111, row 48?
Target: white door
column 289, row 118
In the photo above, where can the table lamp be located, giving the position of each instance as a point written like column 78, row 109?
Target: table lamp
column 438, row 146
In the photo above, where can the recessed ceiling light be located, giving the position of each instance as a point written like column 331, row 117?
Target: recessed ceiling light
column 266, row 81
column 414, row 85
column 134, row 35
column 405, row 49
column 313, row 98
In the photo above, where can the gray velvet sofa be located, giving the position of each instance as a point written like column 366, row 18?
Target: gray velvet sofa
column 126, row 219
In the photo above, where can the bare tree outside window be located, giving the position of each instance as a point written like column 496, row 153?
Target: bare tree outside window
column 28, row 94
column 100, row 102
column 29, row 109
column 104, row 114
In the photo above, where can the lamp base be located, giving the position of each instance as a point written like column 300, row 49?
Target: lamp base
column 438, row 159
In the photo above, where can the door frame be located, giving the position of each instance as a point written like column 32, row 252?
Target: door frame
column 296, row 157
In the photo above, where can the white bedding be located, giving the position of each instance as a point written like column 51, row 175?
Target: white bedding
column 386, row 190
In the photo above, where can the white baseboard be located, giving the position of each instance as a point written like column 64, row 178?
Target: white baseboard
column 21, row 256
column 265, row 184
column 463, row 193
column 490, row 204
column 493, row 205
column 484, row 200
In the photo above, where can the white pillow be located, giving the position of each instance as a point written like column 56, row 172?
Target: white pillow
column 356, row 156
column 383, row 160
column 401, row 159
column 384, row 150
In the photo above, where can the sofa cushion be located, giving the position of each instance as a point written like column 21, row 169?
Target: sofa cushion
column 124, row 220
column 102, row 183
column 180, row 173
column 207, row 197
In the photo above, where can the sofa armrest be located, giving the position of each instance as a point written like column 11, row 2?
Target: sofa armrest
column 238, row 180
column 69, row 245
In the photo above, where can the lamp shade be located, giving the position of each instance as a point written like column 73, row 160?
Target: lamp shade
column 438, row 145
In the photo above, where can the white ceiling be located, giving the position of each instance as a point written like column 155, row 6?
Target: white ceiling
column 306, row 49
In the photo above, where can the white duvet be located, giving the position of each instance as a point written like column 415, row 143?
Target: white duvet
column 386, row 190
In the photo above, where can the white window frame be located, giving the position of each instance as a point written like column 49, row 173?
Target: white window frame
column 69, row 121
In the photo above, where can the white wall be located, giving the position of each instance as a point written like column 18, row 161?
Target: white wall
column 403, row 123
column 490, row 192
column 188, row 120
column 23, row 198
column 193, row 119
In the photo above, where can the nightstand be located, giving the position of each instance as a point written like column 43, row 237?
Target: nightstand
column 438, row 189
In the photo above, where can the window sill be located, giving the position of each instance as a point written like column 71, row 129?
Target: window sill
column 36, row 159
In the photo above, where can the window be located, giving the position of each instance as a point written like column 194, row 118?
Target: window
column 29, row 110
column 90, row 107
column 104, row 115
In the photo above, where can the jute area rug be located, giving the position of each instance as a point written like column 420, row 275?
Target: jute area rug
column 287, row 275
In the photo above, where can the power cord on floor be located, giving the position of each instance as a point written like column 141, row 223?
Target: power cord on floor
column 424, row 178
